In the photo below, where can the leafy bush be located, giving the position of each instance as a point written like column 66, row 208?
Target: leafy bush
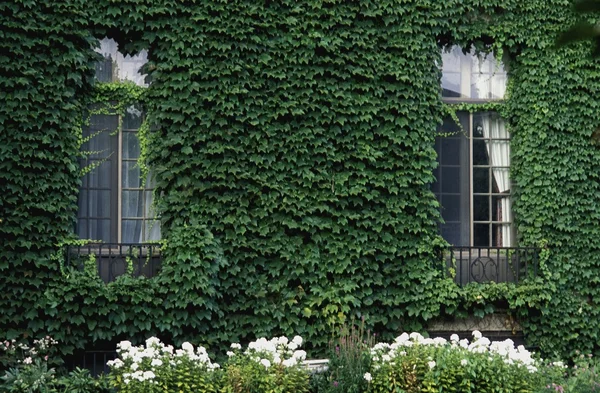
column 160, row 367
column 81, row 381
column 413, row 364
column 267, row 366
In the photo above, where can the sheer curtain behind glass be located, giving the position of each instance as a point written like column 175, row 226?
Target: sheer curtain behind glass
column 498, row 147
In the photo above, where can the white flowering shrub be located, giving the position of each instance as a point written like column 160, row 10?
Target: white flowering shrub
column 413, row 363
column 267, row 366
column 156, row 367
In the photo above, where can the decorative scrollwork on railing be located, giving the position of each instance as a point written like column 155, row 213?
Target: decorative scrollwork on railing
column 489, row 264
column 484, row 269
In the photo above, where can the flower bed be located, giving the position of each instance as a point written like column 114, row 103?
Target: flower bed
column 409, row 364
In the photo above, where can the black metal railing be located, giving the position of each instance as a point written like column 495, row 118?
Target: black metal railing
column 490, row 264
column 115, row 259
column 95, row 361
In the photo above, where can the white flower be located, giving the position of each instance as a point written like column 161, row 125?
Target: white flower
column 299, row 355
column 431, row 364
column 124, row 345
column 292, row 346
column 236, row 346
column 156, row 363
column 477, row 334
column 454, row 338
column 283, row 340
column 290, row 362
column 149, row 375
column 152, row 341
column 135, row 366
column 186, row 346
column 27, row 360
column 117, row 363
column 463, row 362
column 265, row 362
column 368, row 377
column 230, row 354
column 297, row 340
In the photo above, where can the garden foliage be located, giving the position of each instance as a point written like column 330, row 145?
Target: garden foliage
column 292, row 144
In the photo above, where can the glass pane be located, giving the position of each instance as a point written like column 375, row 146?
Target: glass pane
column 131, row 231
column 99, row 203
column 98, row 145
column 131, row 175
column 450, row 179
column 450, row 151
column 501, row 208
column 99, row 175
column 451, row 84
column 481, row 180
column 152, row 230
column 452, row 234
column 133, row 118
column 501, row 182
column 451, row 207
column 131, row 145
column 481, row 208
column 148, row 206
column 132, row 204
column 449, row 126
column 82, row 203
column 99, row 230
column 82, row 229
column 117, row 67
column 501, row 235
column 481, row 235
column 480, row 153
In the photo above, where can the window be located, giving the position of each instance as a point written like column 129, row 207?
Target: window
column 473, row 185
column 115, row 204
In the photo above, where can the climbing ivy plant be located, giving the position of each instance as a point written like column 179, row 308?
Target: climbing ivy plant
column 292, row 145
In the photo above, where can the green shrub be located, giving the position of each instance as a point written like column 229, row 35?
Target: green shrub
column 157, row 367
column 266, row 366
column 415, row 364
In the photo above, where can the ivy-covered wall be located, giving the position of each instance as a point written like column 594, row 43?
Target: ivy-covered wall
column 292, row 144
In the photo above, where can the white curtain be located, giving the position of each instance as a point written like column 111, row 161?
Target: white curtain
column 498, row 148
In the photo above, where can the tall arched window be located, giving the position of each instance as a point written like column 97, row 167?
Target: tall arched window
column 473, row 185
column 115, row 203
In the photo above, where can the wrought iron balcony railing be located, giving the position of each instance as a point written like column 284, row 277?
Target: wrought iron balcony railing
column 490, row 264
column 114, row 259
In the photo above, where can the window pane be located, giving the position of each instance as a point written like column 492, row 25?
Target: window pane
column 451, row 84
column 99, row 175
column 148, row 206
column 82, row 229
column 131, row 175
column 451, row 207
column 131, row 204
column 82, row 203
column 131, row 145
column 481, row 208
column 480, row 153
column 501, row 235
column 99, row 203
column 451, row 180
column 450, row 151
column 481, row 235
column 99, row 230
column 501, row 208
column 131, row 231
column 481, row 180
column 451, row 232
column 152, row 230
column 117, row 67
column 133, row 118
